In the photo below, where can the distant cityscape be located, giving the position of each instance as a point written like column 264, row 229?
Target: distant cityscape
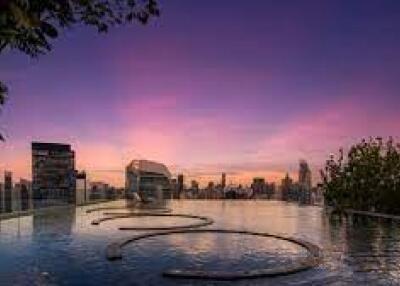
column 55, row 181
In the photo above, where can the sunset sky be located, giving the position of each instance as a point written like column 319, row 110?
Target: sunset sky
column 245, row 87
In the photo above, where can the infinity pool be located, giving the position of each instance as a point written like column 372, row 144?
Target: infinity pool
column 62, row 247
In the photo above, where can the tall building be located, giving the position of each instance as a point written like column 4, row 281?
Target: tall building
column 259, row 187
column 194, row 185
column 1, row 197
column 22, row 196
column 180, row 185
column 287, row 188
column 81, row 188
column 53, row 174
column 25, row 194
column 223, row 180
column 194, row 189
column 8, row 190
column 174, row 187
column 304, row 182
column 262, row 189
column 151, row 180
column 304, row 174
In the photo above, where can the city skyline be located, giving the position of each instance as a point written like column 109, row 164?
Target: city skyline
column 234, row 94
column 47, row 152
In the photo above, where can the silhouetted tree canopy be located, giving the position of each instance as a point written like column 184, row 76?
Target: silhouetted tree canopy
column 367, row 179
column 30, row 25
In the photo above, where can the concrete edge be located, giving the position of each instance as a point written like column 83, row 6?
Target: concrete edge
column 313, row 259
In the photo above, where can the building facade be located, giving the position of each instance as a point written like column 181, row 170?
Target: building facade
column 98, row 191
column 304, row 174
column 148, row 179
column 81, row 188
column 180, row 186
column 287, row 189
column 53, row 174
column 223, row 180
column 1, row 197
column 8, row 192
column 25, row 194
column 22, row 196
column 304, row 184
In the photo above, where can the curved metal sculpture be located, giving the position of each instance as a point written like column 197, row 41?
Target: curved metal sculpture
column 313, row 258
column 204, row 221
column 131, row 210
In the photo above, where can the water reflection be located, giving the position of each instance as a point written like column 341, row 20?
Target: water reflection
column 63, row 244
column 54, row 222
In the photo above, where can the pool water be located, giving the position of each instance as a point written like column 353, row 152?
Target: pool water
column 62, row 247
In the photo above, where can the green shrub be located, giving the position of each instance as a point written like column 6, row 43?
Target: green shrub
column 368, row 179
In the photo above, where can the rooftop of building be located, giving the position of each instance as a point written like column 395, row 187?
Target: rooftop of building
column 42, row 146
column 149, row 166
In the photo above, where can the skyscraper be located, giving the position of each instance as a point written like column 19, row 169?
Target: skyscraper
column 53, row 174
column 304, row 174
column 1, row 197
column 287, row 188
column 223, row 180
column 259, row 187
column 21, row 199
column 25, row 194
column 304, row 182
column 81, row 188
column 8, row 188
column 180, row 185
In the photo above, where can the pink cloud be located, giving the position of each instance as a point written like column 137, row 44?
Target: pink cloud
column 315, row 136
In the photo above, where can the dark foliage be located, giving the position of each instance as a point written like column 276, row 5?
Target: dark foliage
column 30, row 25
column 368, row 179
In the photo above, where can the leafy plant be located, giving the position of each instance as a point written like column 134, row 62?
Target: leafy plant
column 30, row 25
column 368, row 179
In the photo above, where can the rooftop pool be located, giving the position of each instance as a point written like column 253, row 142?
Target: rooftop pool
column 62, row 247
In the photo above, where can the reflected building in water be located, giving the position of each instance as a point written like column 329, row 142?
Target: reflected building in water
column 54, row 222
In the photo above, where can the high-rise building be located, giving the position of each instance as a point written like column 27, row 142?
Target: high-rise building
column 180, row 185
column 304, row 174
column 259, row 187
column 53, row 174
column 194, row 189
column 81, row 188
column 194, row 185
column 25, row 194
column 287, row 188
column 304, row 182
column 223, row 180
column 174, row 187
column 8, row 189
column 1, row 197
column 151, row 180
column 22, row 196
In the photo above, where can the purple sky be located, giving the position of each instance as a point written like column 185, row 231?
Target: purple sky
column 246, row 87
